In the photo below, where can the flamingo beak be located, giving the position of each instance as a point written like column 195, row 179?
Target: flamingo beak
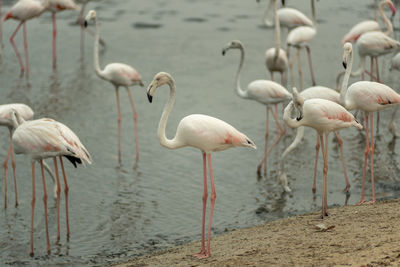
column 149, row 97
column 85, row 23
column 344, row 64
column 393, row 8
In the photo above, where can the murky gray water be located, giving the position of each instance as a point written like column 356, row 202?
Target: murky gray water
column 117, row 213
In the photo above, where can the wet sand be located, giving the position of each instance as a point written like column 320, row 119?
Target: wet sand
column 366, row 235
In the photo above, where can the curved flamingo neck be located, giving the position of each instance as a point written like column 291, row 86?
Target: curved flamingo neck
column 292, row 123
column 164, row 141
column 97, row 69
column 266, row 20
column 385, row 19
column 239, row 89
column 277, row 33
column 345, row 81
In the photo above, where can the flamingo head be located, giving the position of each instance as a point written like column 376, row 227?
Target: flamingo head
column 298, row 102
column 159, row 80
column 347, row 51
column 391, row 6
column 90, row 15
column 231, row 45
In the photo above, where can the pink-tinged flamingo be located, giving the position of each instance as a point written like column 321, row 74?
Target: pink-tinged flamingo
column 324, row 116
column 370, row 25
column 265, row 92
column 288, row 17
column 321, row 92
column 119, row 75
column 5, row 120
column 45, row 138
column 276, row 58
column 55, row 6
column 300, row 37
column 24, row 10
column 206, row 133
column 368, row 97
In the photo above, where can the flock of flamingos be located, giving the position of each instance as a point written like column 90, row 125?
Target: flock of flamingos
column 324, row 109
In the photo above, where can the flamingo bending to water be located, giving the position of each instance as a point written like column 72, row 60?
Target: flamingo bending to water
column 44, row 138
column 324, row 116
column 206, row 133
column 119, row 75
column 265, row 92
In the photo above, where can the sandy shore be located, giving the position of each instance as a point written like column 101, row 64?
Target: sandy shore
column 367, row 235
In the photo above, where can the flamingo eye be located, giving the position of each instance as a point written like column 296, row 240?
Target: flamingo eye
column 248, row 141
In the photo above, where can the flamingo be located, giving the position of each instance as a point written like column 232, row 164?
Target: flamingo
column 119, row 75
column 45, row 138
column 301, row 37
column 369, row 97
column 370, row 25
column 206, row 133
column 24, row 10
column 276, row 58
column 321, row 92
column 55, row 6
column 288, row 17
column 263, row 91
column 324, row 116
column 395, row 64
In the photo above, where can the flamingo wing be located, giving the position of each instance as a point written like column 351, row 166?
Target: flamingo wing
column 267, row 92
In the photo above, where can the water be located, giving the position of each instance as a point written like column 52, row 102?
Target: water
column 118, row 212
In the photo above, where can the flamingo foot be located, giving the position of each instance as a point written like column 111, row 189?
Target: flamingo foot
column 362, row 201
column 201, row 255
column 370, row 202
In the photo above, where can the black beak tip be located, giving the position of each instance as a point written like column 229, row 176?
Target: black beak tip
column 223, row 52
column 150, row 98
column 85, row 24
column 344, row 65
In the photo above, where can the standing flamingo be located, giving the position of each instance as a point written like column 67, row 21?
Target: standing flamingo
column 24, row 10
column 45, row 138
column 321, row 92
column 276, row 58
column 119, row 75
column 55, row 6
column 300, row 37
column 5, row 120
column 370, row 25
column 368, row 97
column 324, row 116
column 206, row 133
column 263, row 91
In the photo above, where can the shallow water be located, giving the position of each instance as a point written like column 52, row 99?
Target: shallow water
column 118, row 212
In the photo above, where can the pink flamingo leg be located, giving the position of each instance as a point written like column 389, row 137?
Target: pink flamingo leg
column 13, row 167
column 300, row 71
column 277, row 126
column 347, row 188
column 324, row 193
column 66, row 196
column 53, row 17
column 371, row 151
column 264, row 159
column 317, row 146
column 134, row 122
column 310, row 64
column 119, row 125
column 365, row 159
column 204, row 198
column 15, row 47
column 58, row 192
column 45, row 207
column 33, row 204
column 282, row 131
column 5, row 165
column 26, row 51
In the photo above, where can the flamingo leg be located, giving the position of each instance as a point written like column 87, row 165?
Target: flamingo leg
column 5, row 165
column 300, row 71
column 213, row 197
column 365, row 159
column 276, row 122
column 16, row 49
column 53, row 17
column 324, row 193
column 377, row 70
column 66, row 196
column 134, row 122
column 310, row 64
column 281, row 130
column 264, row 159
column 26, row 51
column 119, row 124
column 371, row 151
column 291, row 68
column 33, row 204
column 45, row 206
column 317, row 146
column 372, row 67
column 347, row 188
column 204, row 198
column 377, row 113
column 58, row 193
column 272, row 75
